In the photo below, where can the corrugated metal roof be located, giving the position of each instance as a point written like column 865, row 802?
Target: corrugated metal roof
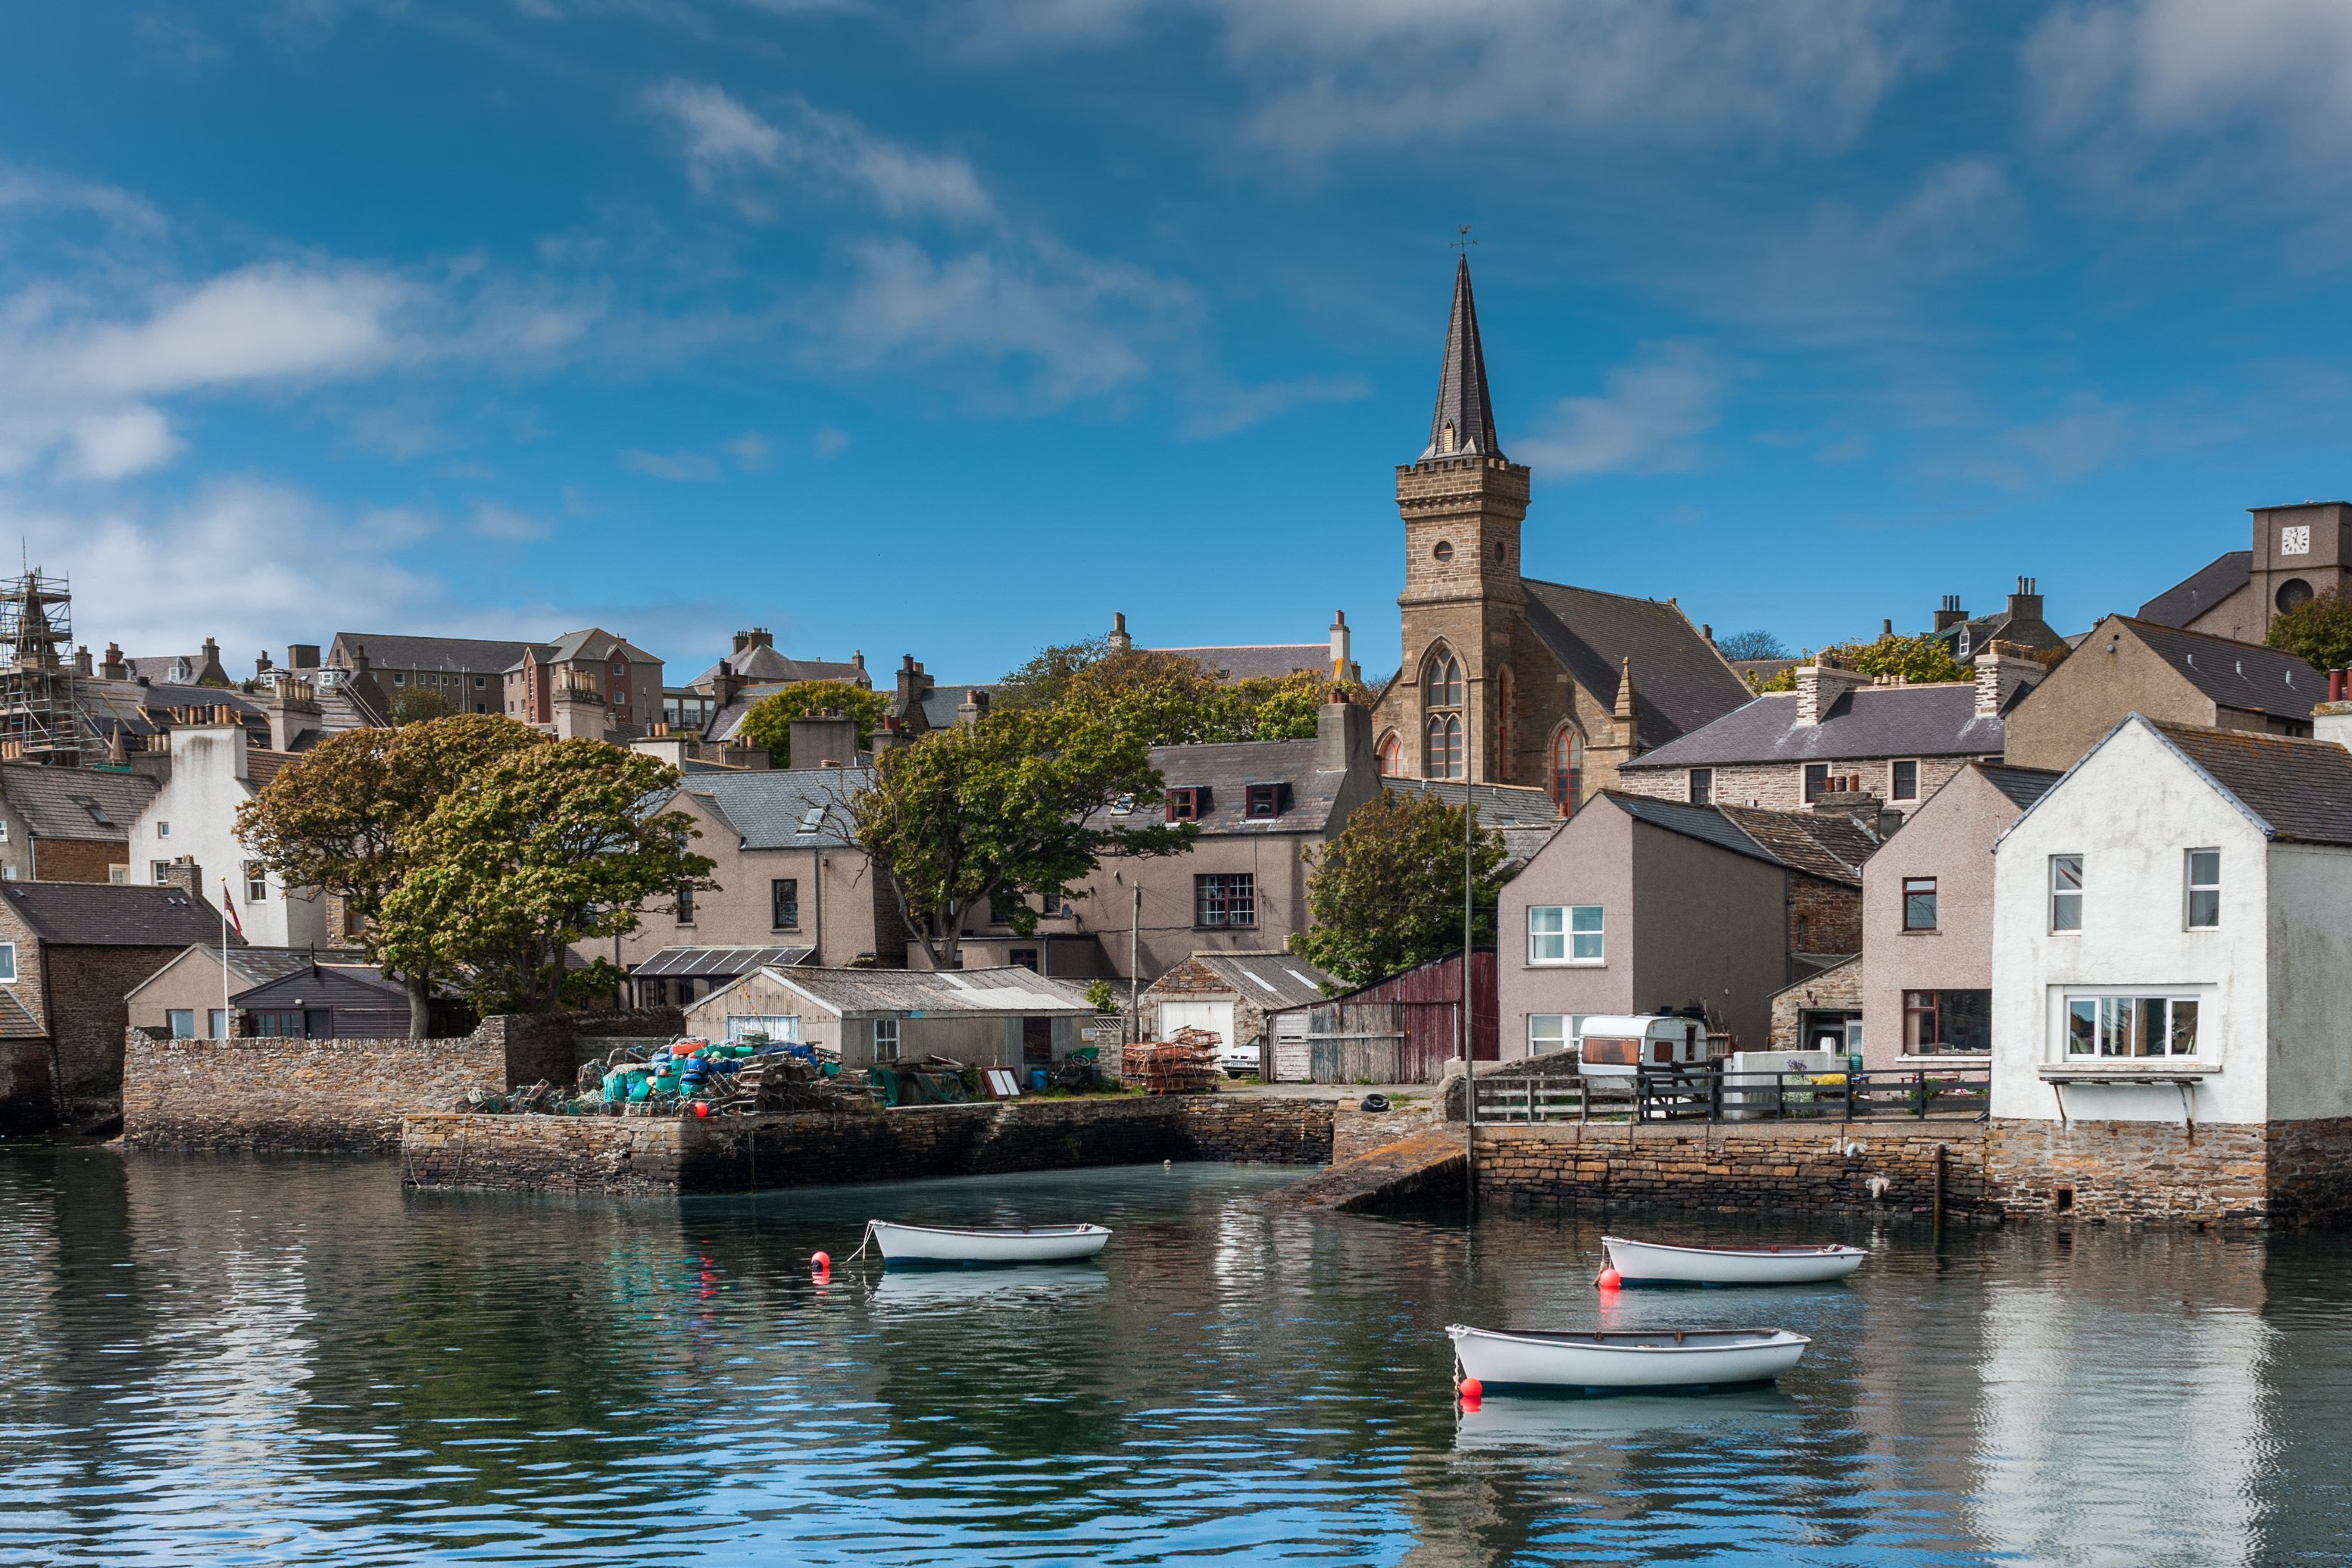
column 1937, row 720
column 859, row 992
column 725, row 963
column 1271, row 978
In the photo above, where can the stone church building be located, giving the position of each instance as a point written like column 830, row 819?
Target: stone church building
column 1506, row 679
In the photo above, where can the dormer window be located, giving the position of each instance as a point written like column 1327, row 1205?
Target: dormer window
column 1123, row 805
column 812, row 819
column 1264, row 800
column 1187, row 805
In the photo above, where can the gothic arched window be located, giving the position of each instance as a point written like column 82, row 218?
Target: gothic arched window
column 1444, row 687
column 1443, row 756
column 1568, row 771
column 1392, row 756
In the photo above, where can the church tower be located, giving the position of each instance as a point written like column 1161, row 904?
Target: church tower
column 1461, row 502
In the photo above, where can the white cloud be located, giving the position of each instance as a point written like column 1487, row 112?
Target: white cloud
column 830, row 442
column 1643, row 425
column 22, row 187
column 2091, row 435
column 749, row 451
column 491, row 520
column 689, row 466
column 1332, row 74
column 1245, row 406
column 726, row 141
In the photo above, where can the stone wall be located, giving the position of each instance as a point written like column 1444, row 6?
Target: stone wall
column 1781, row 786
column 1835, row 988
column 1860, row 1167
column 347, row 1096
column 2228, row 1174
column 77, row 859
column 1823, row 916
column 604, row 1153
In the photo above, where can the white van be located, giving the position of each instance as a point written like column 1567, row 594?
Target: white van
column 1618, row 1046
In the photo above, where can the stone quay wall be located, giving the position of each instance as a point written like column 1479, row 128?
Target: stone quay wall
column 1818, row 1167
column 745, row 1154
column 2249, row 1175
column 346, row 1096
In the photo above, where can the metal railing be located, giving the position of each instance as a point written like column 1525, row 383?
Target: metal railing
column 1707, row 1092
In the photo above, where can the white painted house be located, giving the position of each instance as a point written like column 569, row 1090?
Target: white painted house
column 2173, row 934
column 193, row 817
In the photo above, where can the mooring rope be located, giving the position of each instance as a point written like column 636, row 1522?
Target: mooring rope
column 863, row 1245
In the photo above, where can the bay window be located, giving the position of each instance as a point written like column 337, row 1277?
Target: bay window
column 2131, row 1025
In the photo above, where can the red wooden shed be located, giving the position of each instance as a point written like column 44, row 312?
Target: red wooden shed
column 1403, row 1029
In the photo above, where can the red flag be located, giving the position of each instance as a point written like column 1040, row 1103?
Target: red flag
column 228, row 908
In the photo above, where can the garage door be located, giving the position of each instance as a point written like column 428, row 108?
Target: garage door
column 1214, row 1016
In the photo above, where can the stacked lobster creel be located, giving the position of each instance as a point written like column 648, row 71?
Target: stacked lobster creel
column 1184, row 1065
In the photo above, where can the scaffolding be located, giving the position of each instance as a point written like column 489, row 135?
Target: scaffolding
column 40, row 721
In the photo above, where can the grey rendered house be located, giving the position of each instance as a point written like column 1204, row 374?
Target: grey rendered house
column 1928, row 913
column 1841, row 731
column 2130, row 665
column 1640, row 904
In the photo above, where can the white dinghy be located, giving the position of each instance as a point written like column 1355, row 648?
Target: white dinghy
column 1656, row 1358
column 1655, row 1263
column 955, row 1244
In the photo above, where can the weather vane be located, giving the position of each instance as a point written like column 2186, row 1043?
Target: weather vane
column 1466, row 242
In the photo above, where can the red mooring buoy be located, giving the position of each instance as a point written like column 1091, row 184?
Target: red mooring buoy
column 1472, row 1391
column 819, row 1265
column 1609, row 1280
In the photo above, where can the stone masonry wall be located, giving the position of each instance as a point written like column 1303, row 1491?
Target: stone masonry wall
column 603, row 1153
column 1781, row 786
column 77, row 859
column 1864, row 1167
column 2282, row 1172
column 1823, row 916
column 1834, row 989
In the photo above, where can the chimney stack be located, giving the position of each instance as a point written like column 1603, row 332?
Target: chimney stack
column 81, row 661
column 2025, row 604
column 1950, row 615
column 1340, row 657
column 973, row 707
column 1118, row 640
column 2001, row 669
column 825, row 739
column 1343, row 736
column 115, row 668
column 1819, row 685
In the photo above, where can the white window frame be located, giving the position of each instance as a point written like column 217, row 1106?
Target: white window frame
column 162, row 871
column 162, row 830
column 2053, row 892
column 257, row 884
column 785, row 1026
column 2098, row 997
column 886, row 1039
column 1598, row 931
column 2191, row 887
column 1538, row 1043
column 1547, row 926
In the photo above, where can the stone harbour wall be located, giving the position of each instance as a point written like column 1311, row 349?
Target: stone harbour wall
column 2168, row 1172
column 1827, row 1167
column 745, row 1154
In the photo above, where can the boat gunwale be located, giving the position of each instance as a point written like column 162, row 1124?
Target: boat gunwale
column 1006, row 1230
column 1595, row 1339
column 1820, row 1249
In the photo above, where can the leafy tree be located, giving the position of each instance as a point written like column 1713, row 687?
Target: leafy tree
column 333, row 817
column 1160, row 698
column 1919, row 659
column 1752, row 645
column 415, row 704
column 1101, row 997
column 2317, row 631
column 1043, row 682
column 1273, row 708
column 769, row 721
column 1018, row 803
column 533, row 852
column 1386, row 894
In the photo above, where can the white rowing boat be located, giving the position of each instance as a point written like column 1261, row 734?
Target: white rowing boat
column 1655, row 1263
column 956, row 1243
column 1656, row 1358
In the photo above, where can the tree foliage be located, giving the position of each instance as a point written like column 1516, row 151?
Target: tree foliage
column 1017, row 804
column 769, row 724
column 1046, row 678
column 337, row 817
column 1171, row 700
column 2317, row 631
column 1917, row 659
column 1752, row 645
column 1386, row 894
column 534, row 851
column 415, row 704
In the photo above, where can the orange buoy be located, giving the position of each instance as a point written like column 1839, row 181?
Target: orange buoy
column 702, row 1108
column 1609, row 1280
column 1471, row 1390
column 820, row 1264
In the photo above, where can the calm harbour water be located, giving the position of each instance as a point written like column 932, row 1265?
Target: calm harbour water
column 229, row 1360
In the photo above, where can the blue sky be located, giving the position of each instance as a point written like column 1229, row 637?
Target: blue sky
column 949, row 330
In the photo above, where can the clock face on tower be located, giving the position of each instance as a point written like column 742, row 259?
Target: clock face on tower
column 2295, row 541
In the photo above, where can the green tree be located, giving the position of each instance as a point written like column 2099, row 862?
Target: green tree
column 1020, row 802
column 333, row 817
column 1274, row 707
column 1046, row 678
column 2318, row 631
column 769, row 724
column 415, row 704
column 1386, row 894
column 1917, row 659
column 1160, row 698
column 533, row 852
column 1751, row 644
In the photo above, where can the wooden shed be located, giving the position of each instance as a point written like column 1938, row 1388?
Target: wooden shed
column 1403, row 1029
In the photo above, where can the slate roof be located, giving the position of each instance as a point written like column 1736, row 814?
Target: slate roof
column 340, row 983
column 1828, row 845
column 2200, row 590
column 2299, row 790
column 591, row 643
column 940, row 704
column 768, row 806
column 75, row 802
column 1499, row 806
column 1226, row 768
column 1245, row 661
column 182, row 667
column 144, row 711
column 1270, row 979
column 2243, row 676
column 1680, row 682
column 1937, row 720
column 2024, row 786
column 105, row 914
column 763, row 663
column 1701, row 822
column 454, row 655
column 1462, row 398
column 1007, row 991
column 725, row 963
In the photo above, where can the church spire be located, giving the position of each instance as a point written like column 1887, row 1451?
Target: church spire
column 1464, row 421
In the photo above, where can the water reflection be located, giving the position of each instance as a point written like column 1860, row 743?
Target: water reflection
column 293, row 1362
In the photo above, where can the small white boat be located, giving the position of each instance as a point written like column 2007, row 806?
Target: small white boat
column 1655, row 1263
column 1652, row 1358
column 955, row 1244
